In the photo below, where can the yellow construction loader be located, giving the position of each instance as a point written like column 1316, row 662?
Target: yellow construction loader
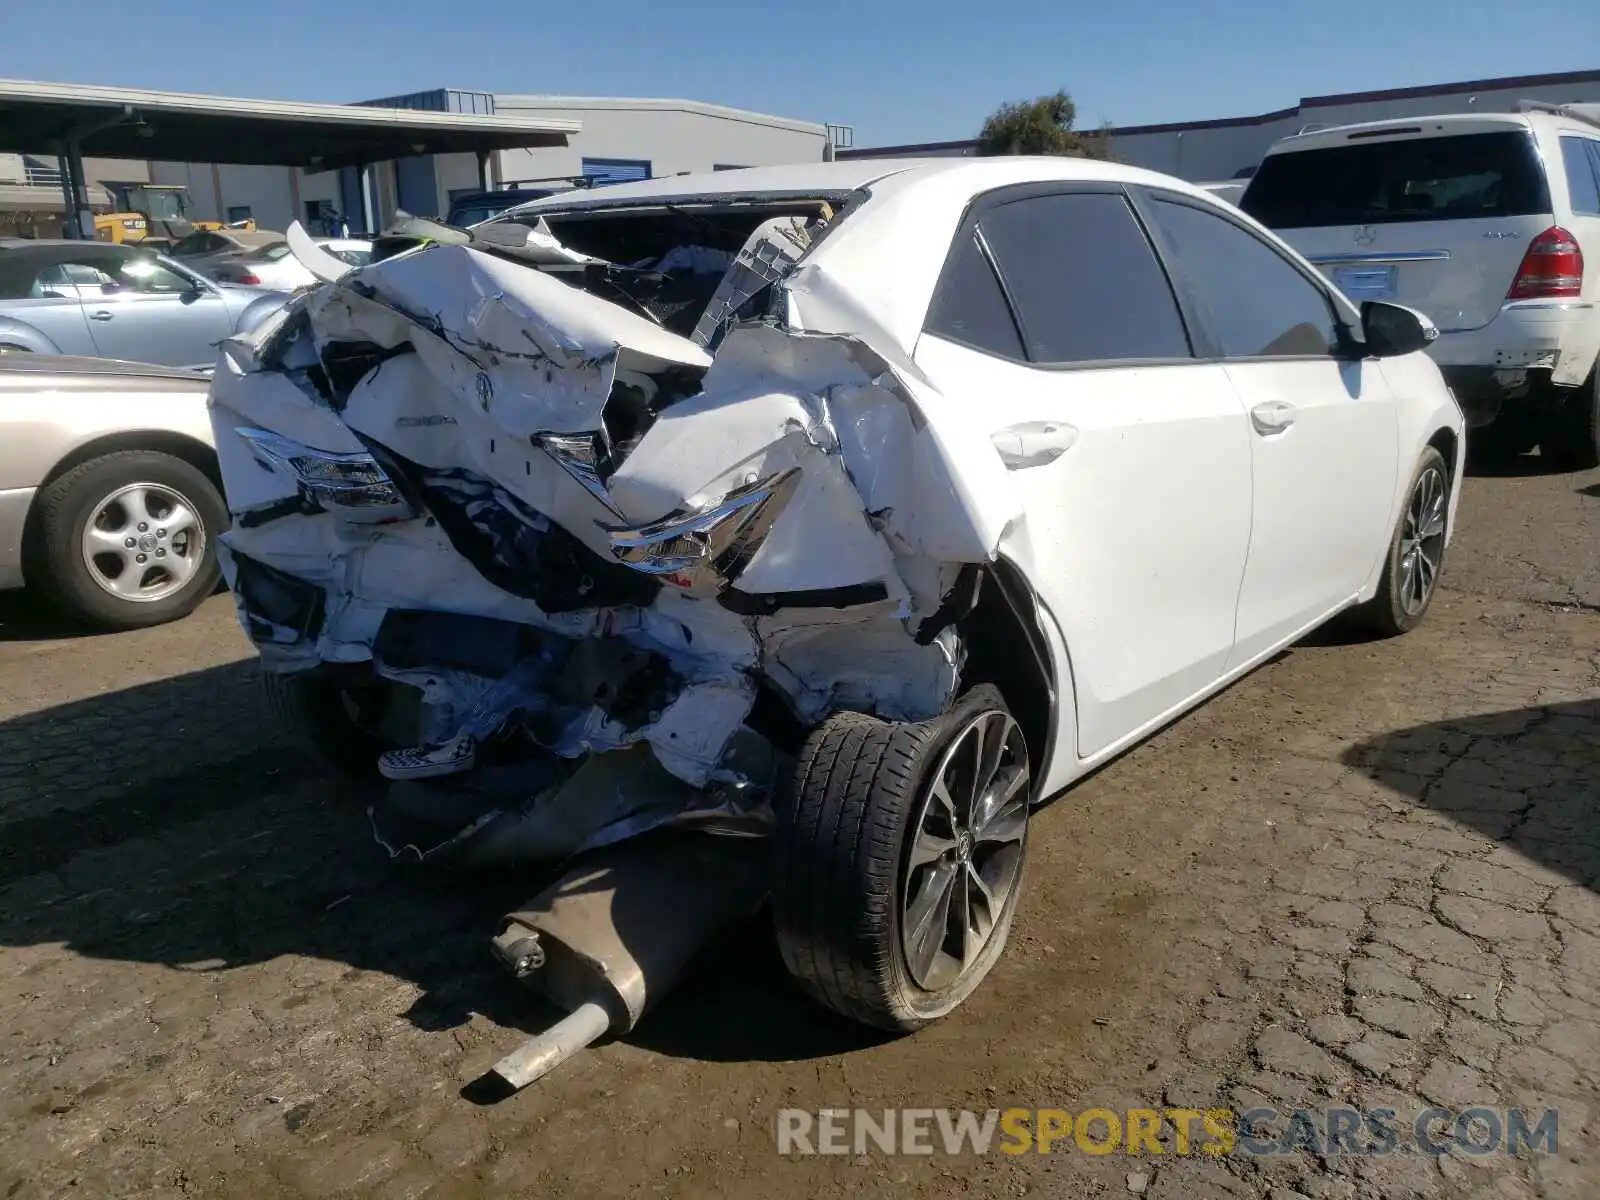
column 152, row 214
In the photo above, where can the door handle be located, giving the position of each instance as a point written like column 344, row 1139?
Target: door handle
column 1271, row 418
column 1033, row 443
column 102, row 315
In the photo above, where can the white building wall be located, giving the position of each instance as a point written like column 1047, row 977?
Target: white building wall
column 1205, row 152
column 214, row 188
column 674, row 136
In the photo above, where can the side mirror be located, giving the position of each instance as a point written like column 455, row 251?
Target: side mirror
column 1390, row 330
column 110, row 289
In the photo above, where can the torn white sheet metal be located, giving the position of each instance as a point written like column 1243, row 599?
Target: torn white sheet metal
column 736, row 436
column 543, row 355
column 924, row 468
column 326, row 267
column 497, row 387
column 971, row 503
column 830, row 660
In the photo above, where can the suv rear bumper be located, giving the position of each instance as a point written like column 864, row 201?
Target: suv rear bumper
column 1529, row 344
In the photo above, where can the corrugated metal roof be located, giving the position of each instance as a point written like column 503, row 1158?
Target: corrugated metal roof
column 179, row 126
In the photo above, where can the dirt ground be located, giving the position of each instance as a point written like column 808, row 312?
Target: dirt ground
column 1366, row 874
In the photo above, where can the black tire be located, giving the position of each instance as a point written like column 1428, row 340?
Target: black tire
column 67, row 507
column 1389, row 613
column 1572, row 439
column 842, row 858
column 332, row 717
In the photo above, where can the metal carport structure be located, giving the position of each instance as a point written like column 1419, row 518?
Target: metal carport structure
column 74, row 120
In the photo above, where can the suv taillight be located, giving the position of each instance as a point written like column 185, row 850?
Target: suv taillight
column 248, row 278
column 1552, row 267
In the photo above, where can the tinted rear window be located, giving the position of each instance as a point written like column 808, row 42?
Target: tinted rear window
column 1469, row 176
column 1085, row 281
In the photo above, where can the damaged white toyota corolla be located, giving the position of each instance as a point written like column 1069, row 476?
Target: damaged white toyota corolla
column 850, row 507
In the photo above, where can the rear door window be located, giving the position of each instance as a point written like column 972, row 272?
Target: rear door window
column 968, row 305
column 1084, row 280
column 1461, row 177
column 1581, row 156
column 1257, row 303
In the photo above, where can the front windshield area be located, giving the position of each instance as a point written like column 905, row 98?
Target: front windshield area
column 164, row 205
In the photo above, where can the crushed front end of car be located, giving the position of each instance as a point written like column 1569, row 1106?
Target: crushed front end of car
column 572, row 540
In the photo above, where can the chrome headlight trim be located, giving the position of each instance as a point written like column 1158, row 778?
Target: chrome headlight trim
column 352, row 484
column 711, row 545
column 578, row 454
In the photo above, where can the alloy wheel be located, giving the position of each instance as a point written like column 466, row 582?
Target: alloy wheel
column 1422, row 540
column 144, row 543
column 965, row 854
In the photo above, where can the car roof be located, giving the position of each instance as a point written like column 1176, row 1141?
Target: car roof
column 840, row 178
column 253, row 238
column 61, row 243
column 1442, row 125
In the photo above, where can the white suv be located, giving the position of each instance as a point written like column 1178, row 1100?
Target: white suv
column 1481, row 222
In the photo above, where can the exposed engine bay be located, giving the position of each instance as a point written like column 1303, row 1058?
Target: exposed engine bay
column 582, row 530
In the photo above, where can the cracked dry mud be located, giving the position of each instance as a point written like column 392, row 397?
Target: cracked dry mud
column 1366, row 875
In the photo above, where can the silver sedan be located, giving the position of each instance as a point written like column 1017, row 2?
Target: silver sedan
column 111, row 301
column 109, row 503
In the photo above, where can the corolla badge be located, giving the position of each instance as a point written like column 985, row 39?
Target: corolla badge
column 1365, row 235
column 485, row 391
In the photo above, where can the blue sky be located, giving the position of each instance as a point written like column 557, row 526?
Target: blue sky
column 897, row 70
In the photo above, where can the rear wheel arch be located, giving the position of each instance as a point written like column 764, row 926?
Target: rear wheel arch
column 1445, row 441
column 1008, row 646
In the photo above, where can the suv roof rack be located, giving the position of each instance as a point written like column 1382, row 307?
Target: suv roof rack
column 1587, row 113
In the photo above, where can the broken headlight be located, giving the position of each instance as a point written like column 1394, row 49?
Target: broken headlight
column 351, row 484
column 712, row 545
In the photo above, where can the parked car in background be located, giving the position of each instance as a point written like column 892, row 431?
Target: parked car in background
column 109, row 501
column 856, row 466
column 1490, row 224
column 204, row 248
column 276, row 267
column 470, row 208
column 108, row 301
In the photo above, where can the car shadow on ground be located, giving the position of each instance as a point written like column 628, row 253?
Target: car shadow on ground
column 1592, row 490
column 172, row 823
column 24, row 617
column 1525, row 778
column 1520, row 466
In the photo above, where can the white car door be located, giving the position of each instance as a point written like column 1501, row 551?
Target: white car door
column 1054, row 319
column 1323, row 423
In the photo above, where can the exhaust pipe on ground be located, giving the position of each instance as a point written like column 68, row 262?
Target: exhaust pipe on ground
column 613, row 935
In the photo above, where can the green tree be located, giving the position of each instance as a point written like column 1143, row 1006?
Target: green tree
column 1042, row 126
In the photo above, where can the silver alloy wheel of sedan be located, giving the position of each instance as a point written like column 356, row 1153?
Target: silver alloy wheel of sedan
column 144, row 542
column 1422, row 539
column 965, row 855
